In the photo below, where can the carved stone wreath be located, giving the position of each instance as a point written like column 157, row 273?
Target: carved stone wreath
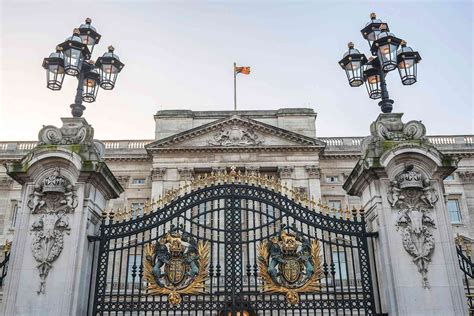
column 53, row 198
column 414, row 197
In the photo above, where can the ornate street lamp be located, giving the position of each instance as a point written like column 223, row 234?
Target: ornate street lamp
column 391, row 53
column 72, row 57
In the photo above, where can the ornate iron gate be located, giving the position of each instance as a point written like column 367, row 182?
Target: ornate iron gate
column 234, row 244
column 466, row 264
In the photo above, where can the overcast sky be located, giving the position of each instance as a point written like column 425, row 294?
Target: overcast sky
column 179, row 55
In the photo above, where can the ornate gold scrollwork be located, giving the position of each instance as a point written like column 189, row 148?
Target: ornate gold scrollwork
column 289, row 264
column 176, row 264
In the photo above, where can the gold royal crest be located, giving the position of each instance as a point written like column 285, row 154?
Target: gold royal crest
column 176, row 264
column 289, row 264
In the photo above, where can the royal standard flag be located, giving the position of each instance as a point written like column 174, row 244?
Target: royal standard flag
column 242, row 70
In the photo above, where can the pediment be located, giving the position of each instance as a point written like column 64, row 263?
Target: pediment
column 235, row 133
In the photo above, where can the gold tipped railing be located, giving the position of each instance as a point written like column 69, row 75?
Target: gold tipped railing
column 234, row 176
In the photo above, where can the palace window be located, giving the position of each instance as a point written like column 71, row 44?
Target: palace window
column 449, row 178
column 134, row 262
column 13, row 214
column 138, row 181
column 339, row 260
column 332, row 179
column 454, row 211
column 334, row 207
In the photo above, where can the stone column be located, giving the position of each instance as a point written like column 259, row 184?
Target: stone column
column 286, row 175
column 65, row 186
column 399, row 180
column 157, row 185
column 314, row 180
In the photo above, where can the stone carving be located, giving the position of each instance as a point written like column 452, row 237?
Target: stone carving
column 235, row 135
column 313, row 172
column 389, row 127
column 466, row 176
column 158, row 174
column 285, row 171
column 73, row 131
column 186, row 174
column 5, row 182
column 52, row 199
column 413, row 196
column 123, row 180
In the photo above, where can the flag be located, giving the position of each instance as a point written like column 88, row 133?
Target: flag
column 242, row 70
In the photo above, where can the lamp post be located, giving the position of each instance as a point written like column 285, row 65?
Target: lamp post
column 388, row 53
column 73, row 58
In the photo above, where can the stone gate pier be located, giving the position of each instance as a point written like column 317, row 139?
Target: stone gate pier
column 65, row 187
column 399, row 180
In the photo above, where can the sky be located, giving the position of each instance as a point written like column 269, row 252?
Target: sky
column 180, row 54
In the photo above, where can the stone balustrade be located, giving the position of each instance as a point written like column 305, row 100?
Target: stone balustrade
column 442, row 142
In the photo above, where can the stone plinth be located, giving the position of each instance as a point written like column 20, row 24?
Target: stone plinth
column 65, row 187
column 399, row 180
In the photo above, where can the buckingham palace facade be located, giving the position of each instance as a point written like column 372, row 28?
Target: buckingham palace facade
column 281, row 145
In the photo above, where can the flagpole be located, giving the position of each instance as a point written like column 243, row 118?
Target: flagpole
column 235, row 89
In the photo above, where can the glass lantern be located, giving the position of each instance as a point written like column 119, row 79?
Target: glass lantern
column 371, row 31
column 90, row 86
column 385, row 47
column 373, row 79
column 74, row 52
column 353, row 62
column 89, row 35
column 54, row 66
column 407, row 60
column 109, row 66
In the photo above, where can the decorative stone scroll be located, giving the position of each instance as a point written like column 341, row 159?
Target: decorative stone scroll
column 73, row 131
column 389, row 127
column 414, row 197
column 53, row 198
column 236, row 135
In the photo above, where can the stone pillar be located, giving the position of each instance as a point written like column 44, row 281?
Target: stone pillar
column 157, row 184
column 65, row 186
column 314, row 181
column 399, row 180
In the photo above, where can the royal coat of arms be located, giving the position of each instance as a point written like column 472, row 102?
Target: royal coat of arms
column 176, row 264
column 289, row 264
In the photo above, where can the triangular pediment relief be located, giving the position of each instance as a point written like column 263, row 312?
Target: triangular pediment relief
column 235, row 132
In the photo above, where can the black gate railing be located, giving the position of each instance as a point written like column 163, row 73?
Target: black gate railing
column 4, row 263
column 464, row 251
column 234, row 218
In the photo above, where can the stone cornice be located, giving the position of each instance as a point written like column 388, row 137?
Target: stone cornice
column 238, row 149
